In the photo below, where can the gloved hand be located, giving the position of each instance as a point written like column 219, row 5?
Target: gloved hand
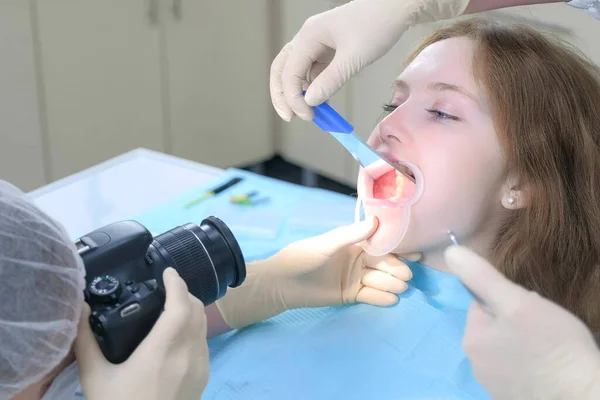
column 329, row 269
column 333, row 46
column 522, row 346
column 170, row 363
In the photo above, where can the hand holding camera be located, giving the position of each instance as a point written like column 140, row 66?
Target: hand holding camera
column 170, row 363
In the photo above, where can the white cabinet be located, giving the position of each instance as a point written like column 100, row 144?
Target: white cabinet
column 217, row 56
column 84, row 81
column 21, row 142
column 185, row 77
column 101, row 76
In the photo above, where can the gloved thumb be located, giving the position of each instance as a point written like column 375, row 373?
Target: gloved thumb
column 485, row 282
column 329, row 81
column 87, row 352
column 341, row 237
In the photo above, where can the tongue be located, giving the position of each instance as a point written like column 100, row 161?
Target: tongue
column 384, row 187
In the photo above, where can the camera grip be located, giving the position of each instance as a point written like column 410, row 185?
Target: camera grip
column 120, row 328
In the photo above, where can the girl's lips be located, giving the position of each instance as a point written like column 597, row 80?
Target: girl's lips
column 391, row 157
column 377, row 169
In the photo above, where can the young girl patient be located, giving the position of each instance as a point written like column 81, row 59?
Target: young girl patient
column 502, row 128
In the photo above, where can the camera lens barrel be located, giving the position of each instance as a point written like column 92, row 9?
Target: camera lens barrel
column 207, row 257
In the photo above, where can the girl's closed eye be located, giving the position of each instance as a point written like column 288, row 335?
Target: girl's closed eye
column 438, row 115
column 388, row 108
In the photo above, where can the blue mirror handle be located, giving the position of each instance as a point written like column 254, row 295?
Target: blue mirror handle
column 329, row 120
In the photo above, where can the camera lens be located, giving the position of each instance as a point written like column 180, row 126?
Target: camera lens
column 207, row 257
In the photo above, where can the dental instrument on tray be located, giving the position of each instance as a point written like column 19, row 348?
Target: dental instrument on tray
column 330, row 121
column 454, row 240
column 248, row 199
column 215, row 191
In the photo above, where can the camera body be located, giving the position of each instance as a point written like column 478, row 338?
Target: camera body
column 124, row 265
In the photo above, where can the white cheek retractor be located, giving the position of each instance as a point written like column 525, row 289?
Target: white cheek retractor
column 394, row 210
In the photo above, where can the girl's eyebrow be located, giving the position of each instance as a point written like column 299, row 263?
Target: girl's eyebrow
column 440, row 87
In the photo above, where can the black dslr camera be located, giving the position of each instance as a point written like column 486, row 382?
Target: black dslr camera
column 124, row 266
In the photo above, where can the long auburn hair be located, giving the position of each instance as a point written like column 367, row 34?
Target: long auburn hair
column 545, row 102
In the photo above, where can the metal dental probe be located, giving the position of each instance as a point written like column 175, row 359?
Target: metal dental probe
column 454, row 240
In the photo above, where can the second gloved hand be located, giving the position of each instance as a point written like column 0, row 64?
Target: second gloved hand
column 333, row 46
column 522, row 346
column 329, row 269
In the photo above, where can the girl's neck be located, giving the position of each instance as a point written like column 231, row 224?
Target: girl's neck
column 480, row 244
column 435, row 260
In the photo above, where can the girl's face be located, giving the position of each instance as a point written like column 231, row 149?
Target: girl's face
column 440, row 122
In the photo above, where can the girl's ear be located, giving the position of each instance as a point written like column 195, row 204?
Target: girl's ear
column 515, row 196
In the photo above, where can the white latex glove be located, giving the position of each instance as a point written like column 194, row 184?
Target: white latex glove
column 333, row 46
column 522, row 346
column 325, row 270
column 170, row 363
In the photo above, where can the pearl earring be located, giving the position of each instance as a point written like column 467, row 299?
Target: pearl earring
column 511, row 200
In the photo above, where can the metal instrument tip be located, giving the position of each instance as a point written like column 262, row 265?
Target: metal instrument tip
column 452, row 237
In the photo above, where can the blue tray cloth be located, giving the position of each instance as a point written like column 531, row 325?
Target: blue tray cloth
column 409, row 351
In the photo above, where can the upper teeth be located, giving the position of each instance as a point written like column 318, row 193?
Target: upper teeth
column 400, row 180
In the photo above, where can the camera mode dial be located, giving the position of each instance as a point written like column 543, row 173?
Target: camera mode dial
column 105, row 288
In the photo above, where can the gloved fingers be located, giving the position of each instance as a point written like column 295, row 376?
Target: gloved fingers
column 200, row 370
column 178, row 307
column 199, row 353
column 383, row 281
column 276, row 84
column 334, row 240
column 329, row 81
column 88, row 353
column 369, row 295
column 479, row 317
column 198, row 326
column 295, row 73
column 390, row 265
column 175, row 317
column 478, row 322
column 315, row 71
column 486, row 283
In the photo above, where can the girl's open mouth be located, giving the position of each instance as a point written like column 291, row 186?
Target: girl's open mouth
column 388, row 185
